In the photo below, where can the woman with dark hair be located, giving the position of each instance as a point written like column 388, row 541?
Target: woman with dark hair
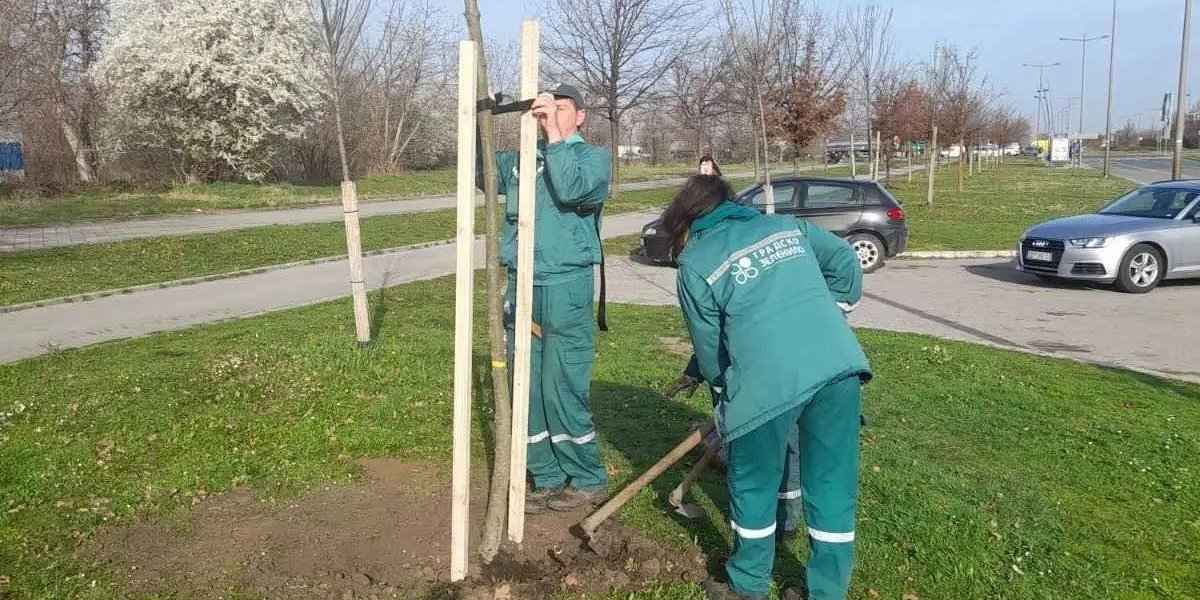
column 764, row 298
column 708, row 166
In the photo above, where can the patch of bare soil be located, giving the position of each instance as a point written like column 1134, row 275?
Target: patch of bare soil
column 386, row 537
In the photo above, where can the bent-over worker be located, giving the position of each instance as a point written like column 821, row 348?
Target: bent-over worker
column 760, row 295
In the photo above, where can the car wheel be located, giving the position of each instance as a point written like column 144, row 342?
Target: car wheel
column 1141, row 270
column 869, row 249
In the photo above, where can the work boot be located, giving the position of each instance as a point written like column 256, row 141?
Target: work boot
column 716, row 590
column 535, row 499
column 569, row 499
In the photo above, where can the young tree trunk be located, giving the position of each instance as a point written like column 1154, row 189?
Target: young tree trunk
column 853, row 157
column 497, row 506
column 962, row 156
column 756, row 157
column 614, row 128
column 82, row 165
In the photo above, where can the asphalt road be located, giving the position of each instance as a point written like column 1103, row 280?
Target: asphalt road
column 990, row 302
column 1143, row 168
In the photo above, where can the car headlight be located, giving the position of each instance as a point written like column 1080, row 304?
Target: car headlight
column 1091, row 242
column 649, row 231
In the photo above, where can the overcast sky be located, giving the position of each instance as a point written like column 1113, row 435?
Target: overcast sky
column 1008, row 33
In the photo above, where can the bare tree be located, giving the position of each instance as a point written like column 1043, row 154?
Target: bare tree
column 778, row 45
column 696, row 86
column 618, row 49
column 811, row 94
column 63, row 43
column 869, row 30
column 16, row 27
column 406, row 68
column 340, row 26
column 964, row 99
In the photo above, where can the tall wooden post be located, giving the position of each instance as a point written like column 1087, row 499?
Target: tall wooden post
column 524, row 316
column 464, row 302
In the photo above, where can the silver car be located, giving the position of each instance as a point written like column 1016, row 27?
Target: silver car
column 1135, row 242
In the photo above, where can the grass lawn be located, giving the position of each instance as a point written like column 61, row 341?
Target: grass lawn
column 111, row 202
column 985, row 473
column 40, row 274
column 997, row 205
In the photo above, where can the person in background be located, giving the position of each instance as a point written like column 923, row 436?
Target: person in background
column 708, row 166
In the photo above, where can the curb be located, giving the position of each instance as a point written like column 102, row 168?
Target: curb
column 208, row 278
column 957, row 254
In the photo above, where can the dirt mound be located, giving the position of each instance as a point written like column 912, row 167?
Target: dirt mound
column 387, row 537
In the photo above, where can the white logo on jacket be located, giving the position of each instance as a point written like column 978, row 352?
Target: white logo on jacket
column 744, row 270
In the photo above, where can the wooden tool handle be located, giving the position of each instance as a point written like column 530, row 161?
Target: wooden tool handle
column 607, row 509
column 676, row 497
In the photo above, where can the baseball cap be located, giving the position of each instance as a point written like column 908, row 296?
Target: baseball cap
column 562, row 90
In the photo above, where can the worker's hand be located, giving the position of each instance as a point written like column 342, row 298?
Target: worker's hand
column 545, row 110
column 713, row 440
column 684, row 382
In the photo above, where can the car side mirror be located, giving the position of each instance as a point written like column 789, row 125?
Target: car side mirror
column 1196, row 218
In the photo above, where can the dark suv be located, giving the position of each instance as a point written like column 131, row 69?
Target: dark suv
column 863, row 212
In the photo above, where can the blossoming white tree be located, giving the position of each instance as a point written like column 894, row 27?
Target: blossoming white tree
column 213, row 84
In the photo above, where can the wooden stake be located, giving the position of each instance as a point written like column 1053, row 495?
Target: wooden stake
column 933, row 154
column 524, row 316
column 358, row 288
column 464, row 302
column 875, row 163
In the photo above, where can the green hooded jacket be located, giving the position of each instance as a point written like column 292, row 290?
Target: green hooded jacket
column 572, row 184
column 763, row 298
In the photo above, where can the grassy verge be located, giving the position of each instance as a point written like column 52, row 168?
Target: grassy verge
column 114, row 202
column 985, row 473
column 997, row 205
column 52, row 272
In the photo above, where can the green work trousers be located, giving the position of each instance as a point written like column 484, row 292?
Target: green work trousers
column 827, row 459
column 562, row 437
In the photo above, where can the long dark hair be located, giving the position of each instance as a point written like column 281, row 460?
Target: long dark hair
column 699, row 194
column 710, row 159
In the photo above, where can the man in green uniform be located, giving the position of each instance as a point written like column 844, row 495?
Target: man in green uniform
column 572, row 184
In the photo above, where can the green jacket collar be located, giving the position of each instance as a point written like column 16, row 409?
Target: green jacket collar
column 720, row 212
column 574, row 138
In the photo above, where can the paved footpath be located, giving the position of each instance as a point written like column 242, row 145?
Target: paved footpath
column 14, row 239
column 989, row 302
column 34, row 331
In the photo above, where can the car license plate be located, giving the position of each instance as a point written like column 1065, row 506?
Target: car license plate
column 1039, row 256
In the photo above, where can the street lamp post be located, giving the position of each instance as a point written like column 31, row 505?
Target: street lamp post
column 1083, row 41
column 1112, row 50
column 1041, row 96
column 1180, row 98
